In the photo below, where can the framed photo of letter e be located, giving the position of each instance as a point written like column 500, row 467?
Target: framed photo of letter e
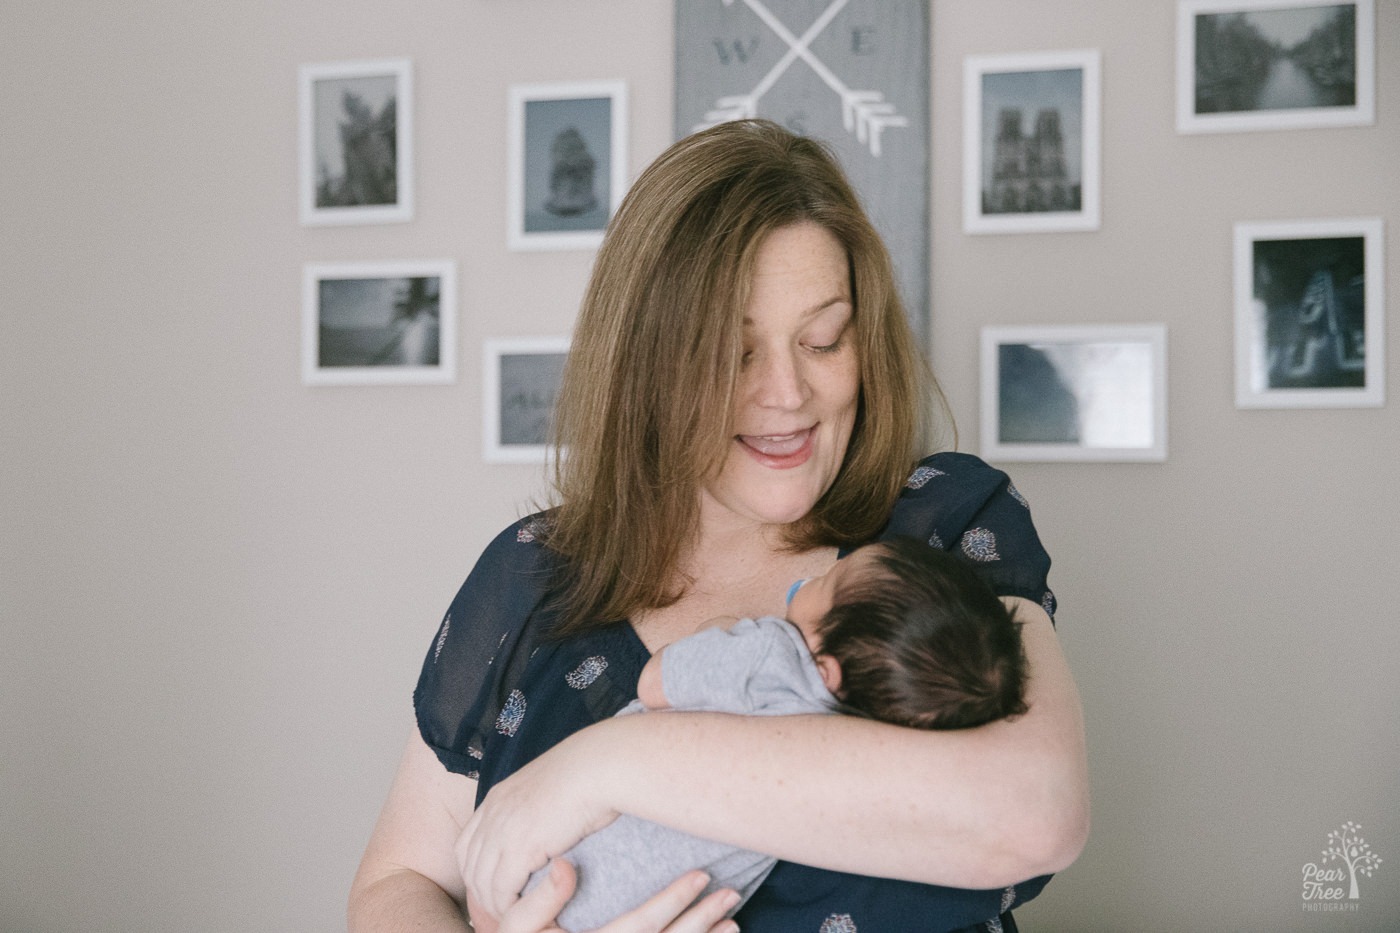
column 853, row 74
column 1074, row 393
column 1310, row 314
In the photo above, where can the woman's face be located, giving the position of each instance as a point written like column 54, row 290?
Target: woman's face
column 795, row 404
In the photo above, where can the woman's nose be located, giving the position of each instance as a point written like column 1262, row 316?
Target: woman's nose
column 778, row 381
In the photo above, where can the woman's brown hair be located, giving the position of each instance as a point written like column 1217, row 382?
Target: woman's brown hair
column 644, row 409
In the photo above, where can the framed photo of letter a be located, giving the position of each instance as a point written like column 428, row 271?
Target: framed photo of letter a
column 1061, row 393
column 567, row 168
column 1031, row 142
column 1274, row 64
column 522, row 378
column 356, row 142
column 379, row 323
column 1310, row 314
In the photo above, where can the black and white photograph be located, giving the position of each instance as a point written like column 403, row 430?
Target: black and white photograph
column 1274, row 65
column 521, row 379
column 389, row 323
column 1072, row 392
column 851, row 73
column 1310, row 314
column 1031, row 142
column 567, row 169
column 356, row 140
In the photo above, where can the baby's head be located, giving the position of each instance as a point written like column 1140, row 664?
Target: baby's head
column 909, row 634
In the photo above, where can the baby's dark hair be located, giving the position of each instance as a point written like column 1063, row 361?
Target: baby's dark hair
column 924, row 642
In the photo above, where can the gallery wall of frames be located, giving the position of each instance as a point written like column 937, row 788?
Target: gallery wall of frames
column 1308, row 293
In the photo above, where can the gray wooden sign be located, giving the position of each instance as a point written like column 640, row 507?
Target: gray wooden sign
column 853, row 73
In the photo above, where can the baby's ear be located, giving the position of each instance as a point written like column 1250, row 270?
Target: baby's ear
column 830, row 669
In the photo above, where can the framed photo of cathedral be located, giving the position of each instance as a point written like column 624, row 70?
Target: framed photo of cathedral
column 356, row 142
column 1310, row 314
column 1031, row 142
column 567, row 163
column 1246, row 65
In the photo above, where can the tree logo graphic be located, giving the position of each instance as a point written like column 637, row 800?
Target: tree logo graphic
column 1345, row 847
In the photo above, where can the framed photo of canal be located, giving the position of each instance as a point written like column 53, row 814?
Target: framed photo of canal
column 1274, row 65
column 567, row 167
column 1031, row 142
column 1310, row 314
column 379, row 323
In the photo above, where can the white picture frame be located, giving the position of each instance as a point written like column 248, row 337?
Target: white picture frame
column 520, row 383
column 1074, row 392
column 1015, row 106
column 1222, row 86
column 379, row 323
column 1310, row 313
column 356, row 142
column 565, row 142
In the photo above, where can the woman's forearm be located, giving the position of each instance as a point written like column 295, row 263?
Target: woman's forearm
column 975, row 808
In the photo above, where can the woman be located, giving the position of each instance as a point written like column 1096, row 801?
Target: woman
column 742, row 403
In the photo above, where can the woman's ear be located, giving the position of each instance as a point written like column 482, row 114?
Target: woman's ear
column 830, row 669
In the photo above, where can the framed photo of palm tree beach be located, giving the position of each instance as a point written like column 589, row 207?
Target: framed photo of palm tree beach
column 379, row 323
column 356, row 142
column 1274, row 64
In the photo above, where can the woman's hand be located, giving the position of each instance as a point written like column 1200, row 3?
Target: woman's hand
column 537, row 813
column 664, row 913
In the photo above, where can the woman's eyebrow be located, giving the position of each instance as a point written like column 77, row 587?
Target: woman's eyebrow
column 815, row 309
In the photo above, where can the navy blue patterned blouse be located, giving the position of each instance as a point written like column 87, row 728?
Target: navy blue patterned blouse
column 494, row 693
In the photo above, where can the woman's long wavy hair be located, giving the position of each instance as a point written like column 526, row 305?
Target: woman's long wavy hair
column 645, row 408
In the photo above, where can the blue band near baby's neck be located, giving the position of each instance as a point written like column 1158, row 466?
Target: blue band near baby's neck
column 792, row 591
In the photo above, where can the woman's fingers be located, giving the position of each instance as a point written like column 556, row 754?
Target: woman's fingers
column 535, row 911
column 667, row 913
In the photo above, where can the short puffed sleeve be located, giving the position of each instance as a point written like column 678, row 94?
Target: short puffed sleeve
column 483, row 645
column 959, row 503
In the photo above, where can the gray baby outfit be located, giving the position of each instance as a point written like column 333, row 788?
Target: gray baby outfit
column 758, row 667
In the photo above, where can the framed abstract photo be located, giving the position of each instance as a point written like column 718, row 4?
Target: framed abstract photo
column 356, row 142
column 379, row 323
column 1274, row 64
column 1310, row 314
column 1060, row 393
column 567, row 168
column 1031, row 142
column 521, row 383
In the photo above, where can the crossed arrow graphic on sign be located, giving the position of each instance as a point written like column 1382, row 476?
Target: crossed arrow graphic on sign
column 865, row 113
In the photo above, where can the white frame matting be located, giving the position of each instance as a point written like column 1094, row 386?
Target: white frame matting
column 1143, row 400
column 494, row 449
column 978, row 67
column 1320, row 315
column 522, row 181
column 444, row 372
column 1361, row 113
column 314, row 124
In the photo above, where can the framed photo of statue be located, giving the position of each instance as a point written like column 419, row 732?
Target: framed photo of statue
column 853, row 74
column 1310, row 314
column 1274, row 64
column 567, row 168
column 521, row 378
column 379, row 323
column 1074, row 392
column 356, row 142
column 1031, row 142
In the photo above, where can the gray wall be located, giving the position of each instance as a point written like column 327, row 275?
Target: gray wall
column 217, row 583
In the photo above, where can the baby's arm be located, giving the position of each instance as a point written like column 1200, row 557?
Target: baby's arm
column 650, row 689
